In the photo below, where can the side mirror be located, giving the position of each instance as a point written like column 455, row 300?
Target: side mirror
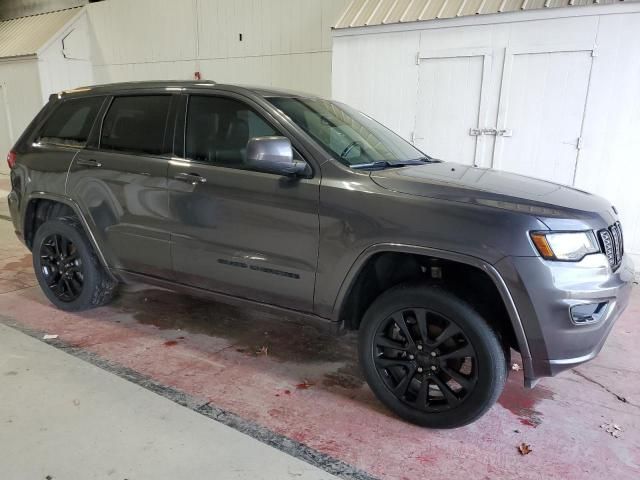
column 273, row 155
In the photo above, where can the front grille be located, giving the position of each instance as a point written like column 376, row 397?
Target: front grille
column 612, row 243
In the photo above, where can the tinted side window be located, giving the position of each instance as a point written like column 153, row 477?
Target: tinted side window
column 136, row 124
column 218, row 130
column 71, row 122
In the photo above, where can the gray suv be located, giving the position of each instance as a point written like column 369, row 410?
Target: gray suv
column 295, row 203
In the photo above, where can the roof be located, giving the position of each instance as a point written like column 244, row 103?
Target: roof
column 26, row 35
column 110, row 88
column 360, row 13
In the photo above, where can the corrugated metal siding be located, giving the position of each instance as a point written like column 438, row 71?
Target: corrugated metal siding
column 26, row 35
column 362, row 13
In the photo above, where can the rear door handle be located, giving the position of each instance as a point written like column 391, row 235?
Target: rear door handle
column 88, row 163
column 192, row 178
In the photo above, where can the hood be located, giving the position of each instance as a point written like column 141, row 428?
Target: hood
column 494, row 188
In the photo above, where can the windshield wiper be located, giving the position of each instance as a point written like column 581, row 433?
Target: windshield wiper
column 381, row 164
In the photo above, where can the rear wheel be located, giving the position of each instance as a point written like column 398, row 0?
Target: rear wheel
column 430, row 357
column 67, row 268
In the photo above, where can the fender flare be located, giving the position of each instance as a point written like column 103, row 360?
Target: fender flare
column 83, row 220
column 489, row 269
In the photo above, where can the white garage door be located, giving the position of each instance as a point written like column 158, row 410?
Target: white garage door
column 540, row 103
column 541, row 109
column 451, row 102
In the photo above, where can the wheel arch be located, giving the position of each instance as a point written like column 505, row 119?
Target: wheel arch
column 29, row 222
column 354, row 280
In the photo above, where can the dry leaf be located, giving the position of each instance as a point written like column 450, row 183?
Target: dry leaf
column 524, row 449
column 304, row 385
column 516, row 367
column 263, row 351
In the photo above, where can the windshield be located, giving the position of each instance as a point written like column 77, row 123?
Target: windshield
column 347, row 134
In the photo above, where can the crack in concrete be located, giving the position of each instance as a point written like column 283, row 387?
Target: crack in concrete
column 605, row 388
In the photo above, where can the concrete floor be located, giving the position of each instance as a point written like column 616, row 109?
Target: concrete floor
column 67, row 419
column 293, row 388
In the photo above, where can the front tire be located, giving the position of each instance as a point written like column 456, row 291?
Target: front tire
column 430, row 357
column 67, row 268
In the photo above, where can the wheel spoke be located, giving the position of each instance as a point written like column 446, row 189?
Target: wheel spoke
column 56, row 247
column 401, row 387
column 47, row 251
column 64, row 246
column 421, row 319
column 60, row 285
column 451, row 398
column 46, row 262
column 460, row 352
column 446, row 334
column 383, row 341
column 464, row 381
column 421, row 399
column 402, row 325
column 393, row 362
column 67, row 284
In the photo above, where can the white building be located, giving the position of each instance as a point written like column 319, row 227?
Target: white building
column 547, row 92
column 282, row 43
column 39, row 54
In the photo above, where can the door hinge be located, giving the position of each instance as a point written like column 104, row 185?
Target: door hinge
column 418, row 58
column 580, row 143
column 594, row 53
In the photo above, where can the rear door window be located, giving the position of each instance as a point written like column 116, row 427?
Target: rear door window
column 137, row 124
column 71, row 122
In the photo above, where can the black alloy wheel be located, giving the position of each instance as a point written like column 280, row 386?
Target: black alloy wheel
column 62, row 267
column 430, row 356
column 67, row 268
column 425, row 359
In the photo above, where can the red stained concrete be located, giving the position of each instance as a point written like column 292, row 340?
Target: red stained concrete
column 306, row 385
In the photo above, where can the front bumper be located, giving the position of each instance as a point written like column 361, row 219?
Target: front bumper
column 544, row 292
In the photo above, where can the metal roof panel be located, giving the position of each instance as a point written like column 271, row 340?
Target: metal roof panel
column 26, row 35
column 380, row 12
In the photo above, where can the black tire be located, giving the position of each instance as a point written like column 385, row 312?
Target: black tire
column 96, row 287
column 388, row 358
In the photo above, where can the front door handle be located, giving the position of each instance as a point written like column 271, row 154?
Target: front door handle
column 192, row 178
column 88, row 163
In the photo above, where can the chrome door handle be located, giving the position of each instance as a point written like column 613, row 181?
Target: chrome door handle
column 88, row 163
column 192, row 178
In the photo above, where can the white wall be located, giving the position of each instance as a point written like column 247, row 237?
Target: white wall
column 375, row 70
column 65, row 61
column 286, row 43
column 20, row 99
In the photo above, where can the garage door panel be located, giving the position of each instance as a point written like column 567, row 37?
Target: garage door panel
column 542, row 106
column 449, row 105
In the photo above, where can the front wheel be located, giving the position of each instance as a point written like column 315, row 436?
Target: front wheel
column 430, row 357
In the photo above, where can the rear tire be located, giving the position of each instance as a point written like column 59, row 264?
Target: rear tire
column 430, row 357
column 68, row 269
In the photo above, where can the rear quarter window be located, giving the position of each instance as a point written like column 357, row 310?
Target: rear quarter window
column 71, row 122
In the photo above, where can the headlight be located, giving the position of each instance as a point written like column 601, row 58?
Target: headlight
column 572, row 246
